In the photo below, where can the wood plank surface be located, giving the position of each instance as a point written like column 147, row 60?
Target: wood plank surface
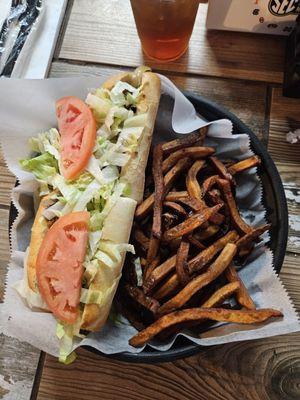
column 263, row 369
column 266, row 369
column 7, row 182
column 18, row 360
column 104, row 32
column 247, row 101
column 284, row 117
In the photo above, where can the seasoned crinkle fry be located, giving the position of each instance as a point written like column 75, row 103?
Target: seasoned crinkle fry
column 244, row 165
column 214, row 270
column 200, row 314
column 192, row 152
column 196, row 236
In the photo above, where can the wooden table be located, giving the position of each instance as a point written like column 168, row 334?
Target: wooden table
column 244, row 73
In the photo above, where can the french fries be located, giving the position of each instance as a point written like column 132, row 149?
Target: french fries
column 169, row 179
column 196, row 242
column 237, row 221
column 139, row 296
column 192, row 184
column 244, row 165
column 221, row 295
column 168, row 288
column 200, row 314
column 221, row 169
column 193, row 222
column 214, row 270
column 242, row 295
column 175, row 196
column 189, row 234
column 252, row 236
column 159, row 190
column 141, row 239
column 175, row 207
column 181, row 262
column 159, row 274
column 204, row 257
column 185, row 141
column 192, row 152
column 209, row 183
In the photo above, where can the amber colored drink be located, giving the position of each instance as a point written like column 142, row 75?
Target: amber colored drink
column 164, row 26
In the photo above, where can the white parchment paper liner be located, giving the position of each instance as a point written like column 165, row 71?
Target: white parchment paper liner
column 27, row 108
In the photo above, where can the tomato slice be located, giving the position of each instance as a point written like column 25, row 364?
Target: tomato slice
column 59, row 266
column 77, row 128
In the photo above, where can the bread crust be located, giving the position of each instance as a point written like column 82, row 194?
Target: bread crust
column 38, row 231
column 117, row 225
column 116, row 229
column 133, row 172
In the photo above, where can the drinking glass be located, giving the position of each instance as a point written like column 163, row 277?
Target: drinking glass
column 164, row 26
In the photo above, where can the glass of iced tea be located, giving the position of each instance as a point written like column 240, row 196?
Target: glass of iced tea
column 164, row 26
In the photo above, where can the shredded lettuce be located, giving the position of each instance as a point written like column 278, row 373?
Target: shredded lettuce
column 84, row 179
column 138, row 74
column 53, row 211
column 69, row 192
column 105, row 259
column 136, row 121
column 97, row 218
column 46, row 142
column 33, row 299
column 91, row 268
column 114, row 156
column 115, row 117
column 104, row 176
column 94, row 238
column 123, row 94
column 86, row 196
column 44, row 166
column 138, row 271
column 90, row 296
column 66, row 334
column 129, row 138
column 99, row 106
column 115, row 250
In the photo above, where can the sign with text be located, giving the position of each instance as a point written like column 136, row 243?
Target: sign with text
column 258, row 16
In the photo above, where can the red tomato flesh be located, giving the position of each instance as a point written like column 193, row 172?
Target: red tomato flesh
column 77, row 128
column 59, row 266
